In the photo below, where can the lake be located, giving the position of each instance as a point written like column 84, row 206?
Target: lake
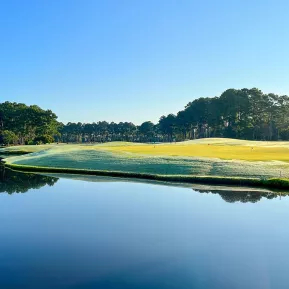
column 109, row 233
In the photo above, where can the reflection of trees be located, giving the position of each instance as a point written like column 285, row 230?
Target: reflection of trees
column 15, row 182
column 243, row 196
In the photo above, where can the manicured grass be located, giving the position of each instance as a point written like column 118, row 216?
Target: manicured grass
column 225, row 152
column 99, row 159
column 204, row 159
column 226, row 149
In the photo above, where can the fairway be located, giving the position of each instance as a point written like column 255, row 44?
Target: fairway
column 226, row 152
column 206, row 157
column 226, row 149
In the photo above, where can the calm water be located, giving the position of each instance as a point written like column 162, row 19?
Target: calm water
column 61, row 233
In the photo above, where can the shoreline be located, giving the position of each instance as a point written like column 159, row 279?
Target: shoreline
column 277, row 183
column 13, row 153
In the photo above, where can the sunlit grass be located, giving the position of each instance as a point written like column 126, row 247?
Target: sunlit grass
column 227, row 149
column 226, row 152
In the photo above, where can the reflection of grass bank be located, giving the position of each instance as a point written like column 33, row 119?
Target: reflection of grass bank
column 200, row 187
column 214, row 180
column 214, row 161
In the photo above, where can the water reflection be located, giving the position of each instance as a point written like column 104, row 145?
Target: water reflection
column 16, row 182
column 244, row 196
column 108, row 233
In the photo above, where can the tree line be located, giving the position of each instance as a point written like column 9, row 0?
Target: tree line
column 237, row 113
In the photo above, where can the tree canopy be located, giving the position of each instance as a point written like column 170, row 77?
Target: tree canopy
column 22, row 124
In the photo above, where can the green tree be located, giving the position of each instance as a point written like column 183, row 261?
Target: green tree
column 9, row 137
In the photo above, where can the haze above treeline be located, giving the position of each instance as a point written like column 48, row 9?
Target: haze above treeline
column 236, row 113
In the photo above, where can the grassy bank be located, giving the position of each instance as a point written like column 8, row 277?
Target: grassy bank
column 214, row 161
column 186, row 158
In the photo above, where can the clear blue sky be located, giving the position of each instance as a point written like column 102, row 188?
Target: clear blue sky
column 121, row 60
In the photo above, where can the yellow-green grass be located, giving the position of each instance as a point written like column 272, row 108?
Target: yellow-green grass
column 226, row 152
column 226, row 149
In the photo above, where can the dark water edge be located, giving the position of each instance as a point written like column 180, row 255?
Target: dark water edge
column 103, row 233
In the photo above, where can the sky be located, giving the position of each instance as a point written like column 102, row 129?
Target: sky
column 136, row 60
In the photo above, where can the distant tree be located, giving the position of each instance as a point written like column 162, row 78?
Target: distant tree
column 9, row 137
column 167, row 125
column 43, row 139
column 147, row 131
